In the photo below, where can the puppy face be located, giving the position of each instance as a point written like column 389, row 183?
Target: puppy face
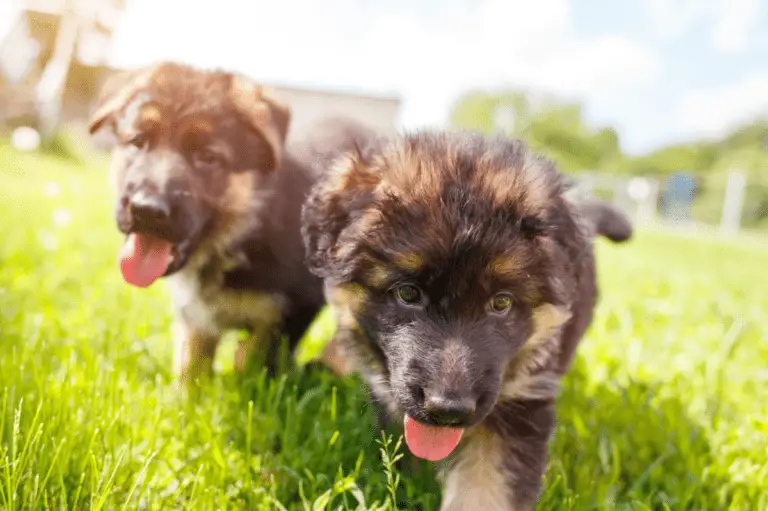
column 447, row 255
column 194, row 163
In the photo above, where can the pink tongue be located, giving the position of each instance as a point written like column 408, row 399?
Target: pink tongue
column 431, row 443
column 144, row 259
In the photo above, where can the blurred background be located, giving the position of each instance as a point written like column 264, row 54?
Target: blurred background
column 658, row 105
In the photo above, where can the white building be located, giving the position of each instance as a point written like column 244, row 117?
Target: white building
column 380, row 113
column 56, row 56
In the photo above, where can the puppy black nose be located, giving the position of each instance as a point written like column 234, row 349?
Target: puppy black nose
column 149, row 208
column 449, row 409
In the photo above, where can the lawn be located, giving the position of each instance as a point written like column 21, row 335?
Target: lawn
column 666, row 406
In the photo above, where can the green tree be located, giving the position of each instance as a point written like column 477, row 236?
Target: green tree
column 558, row 129
column 545, row 123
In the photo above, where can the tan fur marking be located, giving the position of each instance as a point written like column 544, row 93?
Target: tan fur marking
column 347, row 300
column 543, row 385
column 200, row 127
column 377, row 276
column 509, row 266
column 150, row 114
column 538, row 350
column 476, row 479
column 546, row 319
column 410, row 261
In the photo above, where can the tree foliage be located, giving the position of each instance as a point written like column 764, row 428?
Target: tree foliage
column 558, row 127
column 545, row 123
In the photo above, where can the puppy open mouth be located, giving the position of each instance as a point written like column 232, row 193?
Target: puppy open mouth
column 432, row 443
column 144, row 258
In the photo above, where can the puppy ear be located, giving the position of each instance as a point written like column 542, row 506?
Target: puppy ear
column 267, row 115
column 116, row 92
column 332, row 216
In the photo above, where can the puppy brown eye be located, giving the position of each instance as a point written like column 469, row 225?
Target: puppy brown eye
column 206, row 157
column 408, row 294
column 501, row 303
column 139, row 140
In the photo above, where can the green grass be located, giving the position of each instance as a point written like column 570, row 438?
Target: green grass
column 666, row 406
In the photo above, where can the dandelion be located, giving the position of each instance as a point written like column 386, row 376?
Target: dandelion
column 52, row 189
column 61, row 217
column 48, row 240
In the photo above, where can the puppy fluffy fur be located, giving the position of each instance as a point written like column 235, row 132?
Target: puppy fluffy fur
column 211, row 145
column 457, row 269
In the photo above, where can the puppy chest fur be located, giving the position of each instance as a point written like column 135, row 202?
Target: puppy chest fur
column 203, row 302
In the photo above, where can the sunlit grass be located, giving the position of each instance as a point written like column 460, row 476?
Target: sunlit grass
column 666, row 405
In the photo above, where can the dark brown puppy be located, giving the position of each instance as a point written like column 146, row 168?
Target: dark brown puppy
column 209, row 200
column 463, row 281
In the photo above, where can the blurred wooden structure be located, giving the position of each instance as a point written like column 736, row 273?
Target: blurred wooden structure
column 54, row 57
column 379, row 112
column 57, row 55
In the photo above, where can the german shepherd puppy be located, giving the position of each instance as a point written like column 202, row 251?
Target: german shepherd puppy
column 208, row 199
column 463, row 281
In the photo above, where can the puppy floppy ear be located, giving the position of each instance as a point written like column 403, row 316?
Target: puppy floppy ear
column 334, row 217
column 267, row 115
column 116, row 92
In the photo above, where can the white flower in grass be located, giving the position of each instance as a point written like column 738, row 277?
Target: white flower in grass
column 62, row 217
column 48, row 240
column 25, row 138
column 52, row 189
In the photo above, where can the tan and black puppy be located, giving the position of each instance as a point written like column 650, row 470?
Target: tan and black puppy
column 208, row 199
column 462, row 280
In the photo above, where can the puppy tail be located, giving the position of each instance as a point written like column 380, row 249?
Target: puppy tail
column 605, row 220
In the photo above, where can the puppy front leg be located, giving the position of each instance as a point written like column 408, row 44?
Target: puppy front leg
column 334, row 358
column 259, row 348
column 247, row 350
column 502, row 464
column 264, row 336
column 194, row 351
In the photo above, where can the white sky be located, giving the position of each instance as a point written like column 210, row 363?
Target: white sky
column 637, row 71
